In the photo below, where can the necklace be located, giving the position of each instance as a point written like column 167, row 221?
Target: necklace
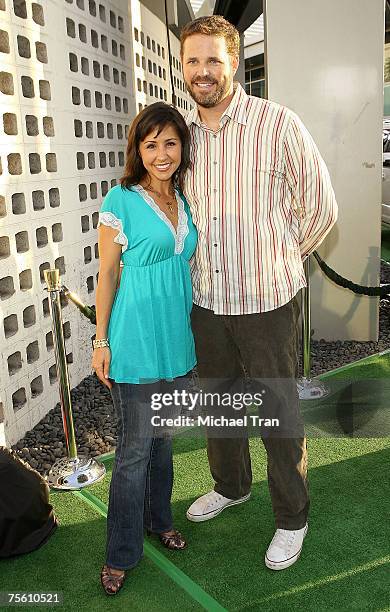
column 170, row 204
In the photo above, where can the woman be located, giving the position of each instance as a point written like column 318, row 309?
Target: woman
column 143, row 333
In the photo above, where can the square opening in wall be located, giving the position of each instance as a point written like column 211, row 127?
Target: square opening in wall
column 95, row 219
column 104, row 43
column 111, row 159
column 27, row 87
column 41, row 52
column 18, row 203
column 66, row 330
column 118, row 107
column 3, row 207
column 32, row 125
column 57, row 232
column 98, row 99
column 44, row 266
column 51, row 162
column 22, row 242
column 36, row 386
column 96, row 69
column 20, row 8
column 32, row 352
column 37, row 14
column 106, row 72
column 120, row 24
column 91, row 160
column 38, row 199
column 7, row 288
column 4, row 247
column 94, row 39
column 80, row 4
column 113, row 182
column 48, row 126
column 69, row 358
column 29, row 316
column 44, row 90
column 115, row 75
column 92, row 8
column 45, row 307
column 102, row 13
column 59, row 264
column 100, row 129
column 19, row 399
column 85, row 223
column 112, row 19
column 52, row 374
column 41, row 235
column 80, row 160
column 24, row 49
column 87, row 98
column 70, row 28
column 83, row 193
column 85, row 66
column 102, row 159
column 4, row 42
column 93, row 191
column 10, row 124
column 90, row 284
column 104, row 187
column 6, row 83
column 49, row 341
column 114, row 48
column 119, row 131
column 76, row 95
column 82, row 33
column 10, row 324
column 96, row 248
column 73, row 63
column 34, row 163
column 14, row 362
column 54, row 197
column 14, row 163
column 78, row 128
column 88, row 129
column 110, row 131
column 125, row 105
column 63, row 299
column 25, row 280
column 87, row 254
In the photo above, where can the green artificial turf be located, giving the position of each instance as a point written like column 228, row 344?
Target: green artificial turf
column 385, row 248
column 345, row 561
column 70, row 563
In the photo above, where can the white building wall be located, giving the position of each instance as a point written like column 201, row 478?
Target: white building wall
column 68, row 90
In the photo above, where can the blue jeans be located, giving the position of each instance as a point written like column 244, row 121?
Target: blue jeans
column 142, row 477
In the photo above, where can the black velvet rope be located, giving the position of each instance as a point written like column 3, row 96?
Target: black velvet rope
column 347, row 284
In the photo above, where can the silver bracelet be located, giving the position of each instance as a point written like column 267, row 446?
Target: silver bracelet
column 100, row 343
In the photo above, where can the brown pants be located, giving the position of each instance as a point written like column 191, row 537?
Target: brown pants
column 264, row 346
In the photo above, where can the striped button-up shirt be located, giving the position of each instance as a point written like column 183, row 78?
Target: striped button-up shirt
column 262, row 200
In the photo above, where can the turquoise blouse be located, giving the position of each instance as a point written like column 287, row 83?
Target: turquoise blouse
column 150, row 329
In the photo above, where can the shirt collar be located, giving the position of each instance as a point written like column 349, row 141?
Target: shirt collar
column 236, row 109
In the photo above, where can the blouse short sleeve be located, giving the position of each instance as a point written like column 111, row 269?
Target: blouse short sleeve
column 112, row 214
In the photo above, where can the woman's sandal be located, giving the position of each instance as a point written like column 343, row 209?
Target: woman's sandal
column 111, row 583
column 174, row 541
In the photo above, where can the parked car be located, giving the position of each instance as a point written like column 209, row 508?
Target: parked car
column 386, row 172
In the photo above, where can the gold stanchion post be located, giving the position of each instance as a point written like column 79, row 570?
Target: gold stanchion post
column 72, row 472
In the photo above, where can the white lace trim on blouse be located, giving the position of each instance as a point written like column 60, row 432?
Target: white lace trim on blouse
column 107, row 218
column 182, row 229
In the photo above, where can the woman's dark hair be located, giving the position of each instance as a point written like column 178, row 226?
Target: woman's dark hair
column 154, row 117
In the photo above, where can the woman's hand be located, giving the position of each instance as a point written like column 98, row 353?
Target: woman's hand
column 101, row 358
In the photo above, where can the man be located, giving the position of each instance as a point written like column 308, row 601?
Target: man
column 262, row 200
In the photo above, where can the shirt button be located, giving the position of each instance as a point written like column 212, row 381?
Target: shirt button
column 215, row 244
column 214, row 218
column 215, row 190
column 217, row 271
column 214, row 135
column 215, row 163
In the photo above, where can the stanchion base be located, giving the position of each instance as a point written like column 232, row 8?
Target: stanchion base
column 73, row 474
column 309, row 389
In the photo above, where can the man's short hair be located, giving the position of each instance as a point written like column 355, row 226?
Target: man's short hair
column 213, row 25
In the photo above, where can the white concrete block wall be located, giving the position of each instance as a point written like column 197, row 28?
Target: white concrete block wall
column 65, row 111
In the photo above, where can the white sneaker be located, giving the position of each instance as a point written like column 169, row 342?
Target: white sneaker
column 285, row 548
column 211, row 504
